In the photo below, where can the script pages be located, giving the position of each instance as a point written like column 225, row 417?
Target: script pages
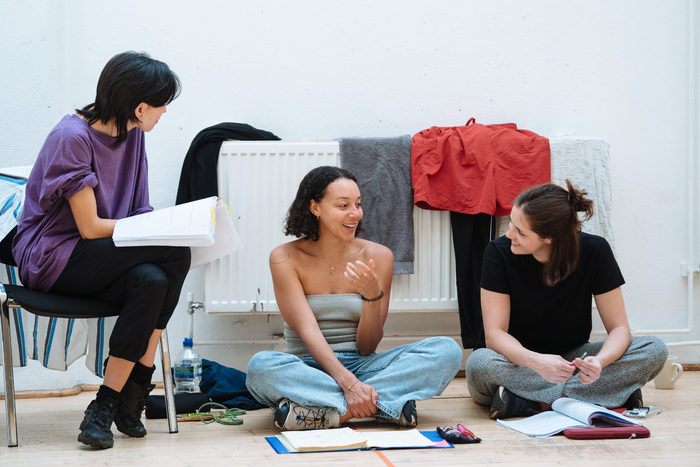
column 337, row 439
column 204, row 225
column 567, row 413
column 188, row 224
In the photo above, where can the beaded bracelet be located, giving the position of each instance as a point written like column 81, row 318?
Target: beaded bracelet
column 375, row 299
column 353, row 384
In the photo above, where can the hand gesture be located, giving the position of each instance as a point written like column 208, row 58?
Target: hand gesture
column 363, row 278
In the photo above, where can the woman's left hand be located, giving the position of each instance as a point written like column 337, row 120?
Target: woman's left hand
column 363, row 278
column 589, row 369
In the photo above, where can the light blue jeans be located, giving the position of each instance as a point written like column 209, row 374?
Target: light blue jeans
column 417, row 371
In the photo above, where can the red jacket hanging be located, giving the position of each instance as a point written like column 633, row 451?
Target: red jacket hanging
column 476, row 168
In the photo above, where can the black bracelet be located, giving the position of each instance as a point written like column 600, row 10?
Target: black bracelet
column 375, row 299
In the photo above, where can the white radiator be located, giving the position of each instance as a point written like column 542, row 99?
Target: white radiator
column 259, row 180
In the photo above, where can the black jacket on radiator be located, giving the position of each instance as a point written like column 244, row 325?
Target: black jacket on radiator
column 198, row 176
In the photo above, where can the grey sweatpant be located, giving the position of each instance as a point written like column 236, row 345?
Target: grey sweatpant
column 486, row 370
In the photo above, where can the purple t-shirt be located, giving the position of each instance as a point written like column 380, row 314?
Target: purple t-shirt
column 73, row 157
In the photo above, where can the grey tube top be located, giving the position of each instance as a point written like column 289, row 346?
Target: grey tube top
column 337, row 316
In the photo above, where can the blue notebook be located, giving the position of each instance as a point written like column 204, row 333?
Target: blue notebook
column 280, row 447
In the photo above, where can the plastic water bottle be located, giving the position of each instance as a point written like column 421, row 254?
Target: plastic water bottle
column 188, row 369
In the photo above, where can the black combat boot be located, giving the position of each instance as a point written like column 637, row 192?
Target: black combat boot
column 95, row 429
column 131, row 405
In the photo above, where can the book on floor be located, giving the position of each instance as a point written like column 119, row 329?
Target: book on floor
column 568, row 413
column 338, row 439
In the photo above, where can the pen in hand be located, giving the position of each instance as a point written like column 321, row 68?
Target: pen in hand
column 581, row 357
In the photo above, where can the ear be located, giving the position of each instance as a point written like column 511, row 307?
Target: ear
column 548, row 240
column 140, row 109
column 314, row 208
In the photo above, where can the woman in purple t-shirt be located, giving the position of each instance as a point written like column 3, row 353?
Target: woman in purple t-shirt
column 92, row 171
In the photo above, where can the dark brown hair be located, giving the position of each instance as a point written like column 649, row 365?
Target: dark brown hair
column 552, row 212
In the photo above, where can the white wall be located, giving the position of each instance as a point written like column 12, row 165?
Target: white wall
column 318, row 70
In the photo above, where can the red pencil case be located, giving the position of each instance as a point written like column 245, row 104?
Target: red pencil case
column 608, row 432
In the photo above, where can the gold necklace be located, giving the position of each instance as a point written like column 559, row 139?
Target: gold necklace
column 331, row 266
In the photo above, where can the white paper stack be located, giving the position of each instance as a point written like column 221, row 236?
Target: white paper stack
column 189, row 224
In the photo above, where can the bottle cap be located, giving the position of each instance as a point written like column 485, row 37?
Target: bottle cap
column 187, row 342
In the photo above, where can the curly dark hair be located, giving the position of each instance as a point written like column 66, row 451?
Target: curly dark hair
column 300, row 222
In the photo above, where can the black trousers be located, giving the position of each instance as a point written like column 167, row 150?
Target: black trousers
column 145, row 281
column 470, row 235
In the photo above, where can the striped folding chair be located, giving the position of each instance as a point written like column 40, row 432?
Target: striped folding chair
column 14, row 296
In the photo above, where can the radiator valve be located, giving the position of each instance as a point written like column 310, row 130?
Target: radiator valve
column 191, row 304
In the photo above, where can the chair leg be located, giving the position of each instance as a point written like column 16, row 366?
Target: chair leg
column 168, row 383
column 10, row 409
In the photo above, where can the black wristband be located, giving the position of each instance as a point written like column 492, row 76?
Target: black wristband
column 375, row 299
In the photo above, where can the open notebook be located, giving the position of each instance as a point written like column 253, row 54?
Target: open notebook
column 344, row 439
column 568, row 413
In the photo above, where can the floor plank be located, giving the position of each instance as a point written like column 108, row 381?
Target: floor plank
column 48, row 432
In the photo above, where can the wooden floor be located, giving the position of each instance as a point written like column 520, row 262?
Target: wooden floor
column 48, row 431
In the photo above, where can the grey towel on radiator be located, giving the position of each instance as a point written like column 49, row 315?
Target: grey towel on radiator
column 383, row 170
column 586, row 163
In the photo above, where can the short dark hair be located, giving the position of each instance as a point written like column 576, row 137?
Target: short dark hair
column 128, row 79
column 552, row 212
column 300, row 221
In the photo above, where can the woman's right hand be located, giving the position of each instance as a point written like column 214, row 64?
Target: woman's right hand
column 362, row 400
column 553, row 368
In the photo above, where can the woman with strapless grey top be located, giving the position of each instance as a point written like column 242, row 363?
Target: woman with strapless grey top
column 332, row 289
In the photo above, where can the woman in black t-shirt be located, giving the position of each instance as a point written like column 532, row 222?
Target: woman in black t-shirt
column 536, row 290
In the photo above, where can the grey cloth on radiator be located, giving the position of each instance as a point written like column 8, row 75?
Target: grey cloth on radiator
column 383, row 170
column 586, row 163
